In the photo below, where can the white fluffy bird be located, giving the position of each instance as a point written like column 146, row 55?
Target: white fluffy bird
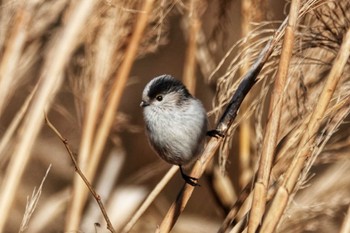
column 176, row 122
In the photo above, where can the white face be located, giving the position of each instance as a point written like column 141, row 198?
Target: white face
column 162, row 101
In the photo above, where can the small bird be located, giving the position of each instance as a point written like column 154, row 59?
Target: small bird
column 176, row 122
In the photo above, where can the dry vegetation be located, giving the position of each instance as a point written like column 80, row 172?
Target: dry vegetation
column 84, row 64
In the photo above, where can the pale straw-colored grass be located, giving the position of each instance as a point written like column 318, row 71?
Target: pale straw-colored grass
column 84, row 64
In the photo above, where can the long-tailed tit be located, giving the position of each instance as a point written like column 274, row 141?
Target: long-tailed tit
column 176, row 122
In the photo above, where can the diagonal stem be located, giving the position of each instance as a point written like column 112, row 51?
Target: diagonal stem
column 225, row 122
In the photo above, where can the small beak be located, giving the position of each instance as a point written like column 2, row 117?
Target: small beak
column 143, row 103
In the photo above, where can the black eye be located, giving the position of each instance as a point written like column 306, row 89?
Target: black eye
column 159, row 98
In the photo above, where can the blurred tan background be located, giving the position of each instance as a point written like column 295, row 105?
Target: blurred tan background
column 128, row 169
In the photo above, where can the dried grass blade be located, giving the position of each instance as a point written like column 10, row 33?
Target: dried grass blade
column 32, row 203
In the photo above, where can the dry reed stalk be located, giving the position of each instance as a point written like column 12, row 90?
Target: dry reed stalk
column 190, row 64
column 193, row 26
column 242, row 204
column 50, row 82
column 342, row 110
column 252, row 11
column 12, row 53
column 282, row 196
column 222, row 188
column 117, row 88
column 273, row 124
column 330, row 190
column 185, row 193
column 150, row 198
column 245, row 170
column 205, row 59
column 244, row 150
column 6, row 138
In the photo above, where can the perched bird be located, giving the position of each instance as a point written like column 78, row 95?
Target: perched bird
column 176, row 122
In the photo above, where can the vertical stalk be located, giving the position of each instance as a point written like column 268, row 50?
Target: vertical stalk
column 272, row 128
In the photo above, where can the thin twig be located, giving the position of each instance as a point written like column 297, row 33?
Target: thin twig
column 81, row 174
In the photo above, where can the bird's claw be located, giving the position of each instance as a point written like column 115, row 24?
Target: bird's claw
column 189, row 179
column 215, row 133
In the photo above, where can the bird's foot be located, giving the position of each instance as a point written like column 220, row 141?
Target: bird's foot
column 215, row 133
column 189, row 179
